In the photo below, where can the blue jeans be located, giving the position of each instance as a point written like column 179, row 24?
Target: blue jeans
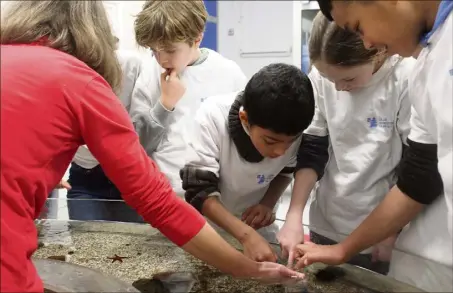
column 91, row 195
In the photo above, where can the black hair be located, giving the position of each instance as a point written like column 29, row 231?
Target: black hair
column 336, row 46
column 326, row 8
column 279, row 97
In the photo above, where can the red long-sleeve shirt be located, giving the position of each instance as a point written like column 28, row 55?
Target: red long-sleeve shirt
column 51, row 103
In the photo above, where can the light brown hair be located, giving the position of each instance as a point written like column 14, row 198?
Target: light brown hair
column 162, row 23
column 78, row 28
column 336, row 46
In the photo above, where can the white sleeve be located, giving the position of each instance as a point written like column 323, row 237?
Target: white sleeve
column 318, row 126
column 404, row 114
column 288, row 171
column 204, row 145
column 131, row 67
column 292, row 163
column 149, row 116
column 418, row 132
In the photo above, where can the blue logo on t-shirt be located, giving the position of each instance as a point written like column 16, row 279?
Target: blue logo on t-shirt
column 380, row 122
column 451, row 72
column 264, row 179
column 372, row 122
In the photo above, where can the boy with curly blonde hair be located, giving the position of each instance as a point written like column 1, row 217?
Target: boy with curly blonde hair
column 180, row 76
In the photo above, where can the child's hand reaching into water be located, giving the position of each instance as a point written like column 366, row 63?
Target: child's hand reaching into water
column 258, row 216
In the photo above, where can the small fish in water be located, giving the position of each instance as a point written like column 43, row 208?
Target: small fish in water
column 150, row 286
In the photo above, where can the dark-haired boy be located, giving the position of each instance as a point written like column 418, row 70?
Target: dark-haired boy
column 245, row 153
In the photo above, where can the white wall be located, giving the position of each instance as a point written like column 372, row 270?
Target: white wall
column 122, row 16
column 257, row 33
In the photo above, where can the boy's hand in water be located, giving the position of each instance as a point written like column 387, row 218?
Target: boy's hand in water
column 172, row 89
column 273, row 273
column 289, row 236
column 257, row 248
column 258, row 216
column 309, row 253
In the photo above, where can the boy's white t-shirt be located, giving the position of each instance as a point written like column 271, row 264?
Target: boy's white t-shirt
column 242, row 184
column 214, row 76
column 367, row 129
column 428, row 240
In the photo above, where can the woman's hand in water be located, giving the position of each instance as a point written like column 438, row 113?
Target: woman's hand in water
column 210, row 247
column 257, row 248
column 273, row 273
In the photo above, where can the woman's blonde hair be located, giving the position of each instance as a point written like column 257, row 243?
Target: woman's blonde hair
column 78, row 28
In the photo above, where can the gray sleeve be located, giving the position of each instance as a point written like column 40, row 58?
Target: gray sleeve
column 150, row 118
column 199, row 185
column 150, row 130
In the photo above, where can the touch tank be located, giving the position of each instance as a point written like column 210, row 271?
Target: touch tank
column 127, row 257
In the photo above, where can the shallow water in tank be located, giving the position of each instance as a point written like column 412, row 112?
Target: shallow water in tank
column 140, row 256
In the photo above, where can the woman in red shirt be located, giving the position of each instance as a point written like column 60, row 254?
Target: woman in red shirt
column 58, row 68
